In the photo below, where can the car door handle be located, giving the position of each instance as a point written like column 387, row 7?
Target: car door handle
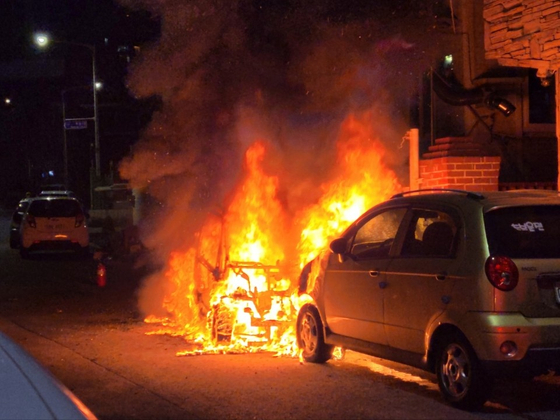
column 441, row 276
column 374, row 273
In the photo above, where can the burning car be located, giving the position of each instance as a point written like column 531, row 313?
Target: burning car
column 254, row 310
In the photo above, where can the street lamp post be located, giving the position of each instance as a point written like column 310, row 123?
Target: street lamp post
column 95, row 117
column 42, row 40
column 65, row 140
column 70, row 124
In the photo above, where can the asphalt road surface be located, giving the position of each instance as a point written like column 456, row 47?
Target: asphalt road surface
column 95, row 341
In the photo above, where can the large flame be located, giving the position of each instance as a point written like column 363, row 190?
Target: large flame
column 362, row 181
column 235, row 292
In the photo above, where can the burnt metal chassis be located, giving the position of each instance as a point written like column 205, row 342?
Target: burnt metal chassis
column 222, row 320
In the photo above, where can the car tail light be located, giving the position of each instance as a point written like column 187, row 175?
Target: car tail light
column 502, row 272
column 79, row 220
column 31, row 221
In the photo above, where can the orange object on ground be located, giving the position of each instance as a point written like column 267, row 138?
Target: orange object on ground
column 101, row 275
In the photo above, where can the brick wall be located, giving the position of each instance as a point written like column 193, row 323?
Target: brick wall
column 473, row 173
column 523, row 33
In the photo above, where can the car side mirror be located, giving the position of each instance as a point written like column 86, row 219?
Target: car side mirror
column 339, row 246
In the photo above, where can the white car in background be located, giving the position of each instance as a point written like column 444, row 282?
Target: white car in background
column 54, row 224
column 17, row 218
column 29, row 391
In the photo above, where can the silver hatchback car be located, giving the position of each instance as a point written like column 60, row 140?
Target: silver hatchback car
column 462, row 284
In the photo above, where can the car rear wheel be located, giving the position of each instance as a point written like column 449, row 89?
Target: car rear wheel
column 14, row 241
column 310, row 336
column 461, row 379
column 23, row 252
column 83, row 252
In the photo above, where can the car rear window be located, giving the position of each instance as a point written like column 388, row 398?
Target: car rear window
column 524, row 232
column 55, row 208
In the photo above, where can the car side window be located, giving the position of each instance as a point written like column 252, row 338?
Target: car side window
column 375, row 237
column 431, row 233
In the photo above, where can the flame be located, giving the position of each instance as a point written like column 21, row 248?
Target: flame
column 363, row 181
column 235, row 292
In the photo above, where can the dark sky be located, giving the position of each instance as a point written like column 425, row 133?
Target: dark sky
column 308, row 62
column 87, row 21
column 34, row 80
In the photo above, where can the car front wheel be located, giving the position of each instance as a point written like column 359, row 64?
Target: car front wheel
column 461, row 379
column 310, row 336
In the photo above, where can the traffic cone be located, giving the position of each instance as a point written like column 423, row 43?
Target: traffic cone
column 101, row 274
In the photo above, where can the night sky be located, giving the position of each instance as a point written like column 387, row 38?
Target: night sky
column 302, row 64
column 35, row 81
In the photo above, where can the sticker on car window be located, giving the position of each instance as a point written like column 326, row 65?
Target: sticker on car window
column 528, row 226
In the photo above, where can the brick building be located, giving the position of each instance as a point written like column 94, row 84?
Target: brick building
column 487, row 117
column 526, row 34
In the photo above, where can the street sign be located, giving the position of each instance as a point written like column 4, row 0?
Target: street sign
column 75, row 124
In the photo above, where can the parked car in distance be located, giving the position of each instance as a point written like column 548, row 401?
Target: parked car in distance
column 54, row 224
column 17, row 217
column 29, row 391
column 462, row 284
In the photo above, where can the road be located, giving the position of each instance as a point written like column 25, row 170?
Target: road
column 95, row 341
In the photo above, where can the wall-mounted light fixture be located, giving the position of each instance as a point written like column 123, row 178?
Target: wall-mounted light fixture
column 545, row 76
column 500, row 104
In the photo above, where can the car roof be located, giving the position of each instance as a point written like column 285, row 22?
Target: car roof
column 520, row 198
column 487, row 200
column 52, row 198
column 56, row 192
column 55, row 197
column 32, row 391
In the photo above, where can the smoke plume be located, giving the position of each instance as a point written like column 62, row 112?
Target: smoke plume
column 231, row 72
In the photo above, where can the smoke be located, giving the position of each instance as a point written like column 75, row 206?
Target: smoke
column 231, row 72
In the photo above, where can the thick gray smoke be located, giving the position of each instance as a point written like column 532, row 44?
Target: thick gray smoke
column 230, row 72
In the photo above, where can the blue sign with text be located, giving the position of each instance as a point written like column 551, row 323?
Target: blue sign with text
column 75, row 124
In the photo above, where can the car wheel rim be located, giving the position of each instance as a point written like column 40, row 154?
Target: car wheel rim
column 308, row 333
column 455, row 370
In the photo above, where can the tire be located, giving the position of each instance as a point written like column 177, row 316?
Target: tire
column 83, row 252
column 461, row 379
column 24, row 252
column 222, row 324
column 310, row 336
column 14, row 242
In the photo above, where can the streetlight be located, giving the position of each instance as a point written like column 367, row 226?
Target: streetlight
column 42, row 40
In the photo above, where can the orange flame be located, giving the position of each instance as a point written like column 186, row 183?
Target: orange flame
column 242, row 301
column 363, row 181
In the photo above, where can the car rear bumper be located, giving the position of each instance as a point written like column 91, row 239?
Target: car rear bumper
column 536, row 341
column 537, row 361
column 64, row 245
column 46, row 241
column 37, row 240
